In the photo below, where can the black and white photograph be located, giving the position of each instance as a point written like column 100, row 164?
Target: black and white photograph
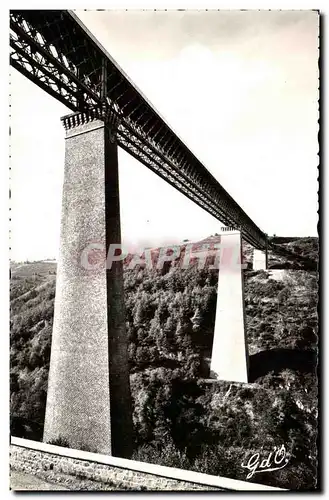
column 164, row 250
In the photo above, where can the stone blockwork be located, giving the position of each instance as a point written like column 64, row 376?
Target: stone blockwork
column 53, row 467
column 83, row 470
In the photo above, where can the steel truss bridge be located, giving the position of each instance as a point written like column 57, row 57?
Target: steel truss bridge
column 55, row 51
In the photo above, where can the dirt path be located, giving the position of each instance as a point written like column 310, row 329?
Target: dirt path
column 20, row 481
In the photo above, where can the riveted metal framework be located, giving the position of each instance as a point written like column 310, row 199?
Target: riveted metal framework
column 57, row 52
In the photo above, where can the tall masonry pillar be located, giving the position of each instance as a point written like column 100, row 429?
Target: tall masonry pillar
column 259, row 260
column 88, row 400
column 229, row 359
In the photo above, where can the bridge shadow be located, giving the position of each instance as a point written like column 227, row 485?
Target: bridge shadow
column 275, row 360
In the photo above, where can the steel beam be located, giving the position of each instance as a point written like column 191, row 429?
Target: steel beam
column 57, row 52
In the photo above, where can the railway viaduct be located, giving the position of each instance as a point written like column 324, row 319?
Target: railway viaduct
column 88, row 401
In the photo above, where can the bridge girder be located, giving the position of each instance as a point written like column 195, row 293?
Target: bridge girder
column 54, row 50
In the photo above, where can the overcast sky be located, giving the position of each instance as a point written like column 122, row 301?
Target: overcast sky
column 240, row 88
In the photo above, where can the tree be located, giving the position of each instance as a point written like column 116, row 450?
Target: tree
column 196, row 319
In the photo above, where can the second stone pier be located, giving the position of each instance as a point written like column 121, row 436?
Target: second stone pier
column 229, row 360
column 259, row 260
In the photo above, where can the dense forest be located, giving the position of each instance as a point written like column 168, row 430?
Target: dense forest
column 181, row 417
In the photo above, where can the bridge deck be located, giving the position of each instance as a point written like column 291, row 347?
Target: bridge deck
column 57, row 52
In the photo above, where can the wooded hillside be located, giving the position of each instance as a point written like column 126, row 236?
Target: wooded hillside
column 182, row 419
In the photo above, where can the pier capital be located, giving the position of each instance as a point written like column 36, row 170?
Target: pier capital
column 102, row 112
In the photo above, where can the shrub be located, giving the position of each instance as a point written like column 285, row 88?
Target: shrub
column 60, row 441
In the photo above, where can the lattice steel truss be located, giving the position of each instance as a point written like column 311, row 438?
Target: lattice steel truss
column 54, row 50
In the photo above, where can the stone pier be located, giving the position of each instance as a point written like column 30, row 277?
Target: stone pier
column 259, row 260
column 88, row 400
column 229, row 360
